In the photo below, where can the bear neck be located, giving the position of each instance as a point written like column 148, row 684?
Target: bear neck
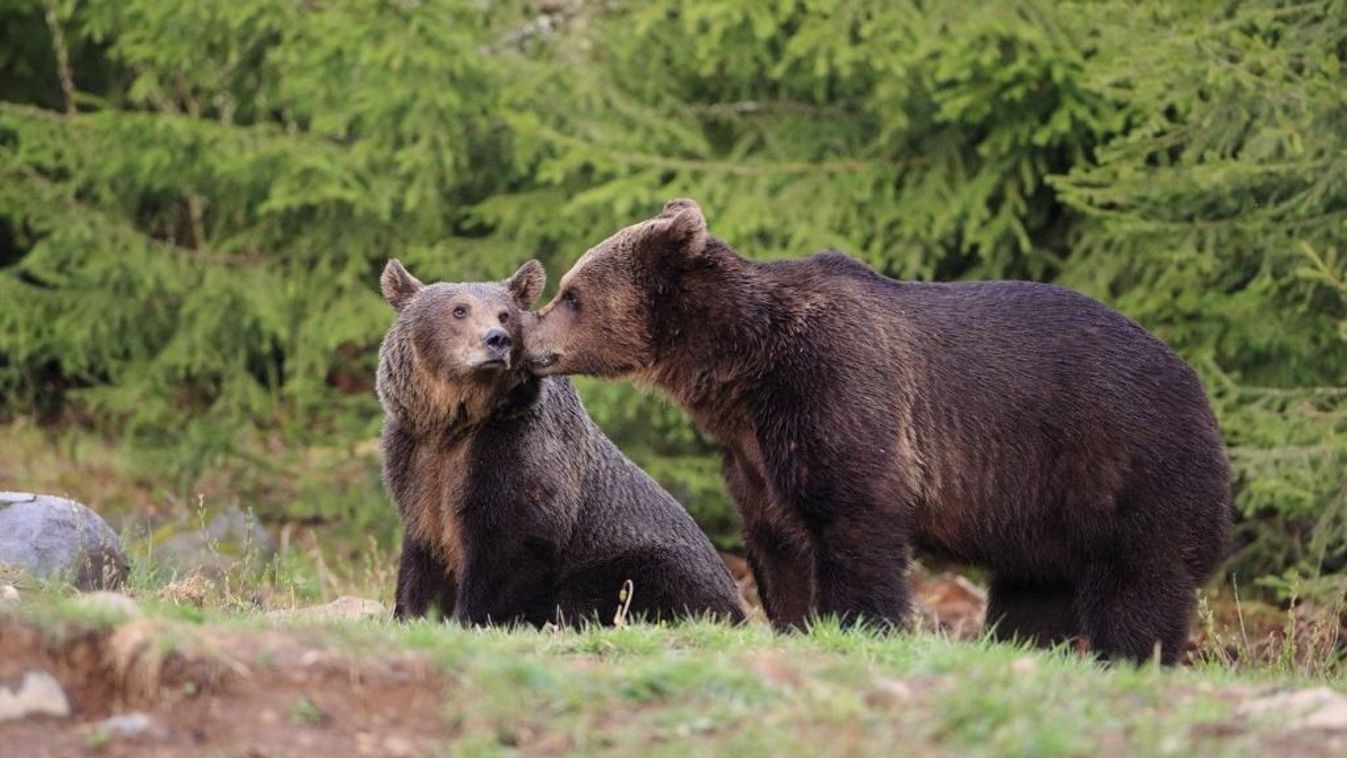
column 716, row 328
column 454, row 412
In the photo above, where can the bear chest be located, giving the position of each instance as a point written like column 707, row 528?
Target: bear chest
column 434, row 500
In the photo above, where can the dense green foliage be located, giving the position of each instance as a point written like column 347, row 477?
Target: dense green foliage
column 192, row 219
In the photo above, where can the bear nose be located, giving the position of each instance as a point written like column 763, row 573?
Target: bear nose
column 498, row 339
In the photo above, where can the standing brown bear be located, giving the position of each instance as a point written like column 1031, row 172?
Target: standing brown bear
column 1023, row 427
column 516, row 507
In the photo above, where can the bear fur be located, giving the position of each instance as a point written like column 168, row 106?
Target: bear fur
column 1022, row 427
column 516, row 508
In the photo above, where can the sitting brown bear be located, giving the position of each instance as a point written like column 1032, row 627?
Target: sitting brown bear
column 516, row 507
column 1019, row 426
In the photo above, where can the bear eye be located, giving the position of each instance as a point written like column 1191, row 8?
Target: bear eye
column 568, row 297
column 504, row 316
column 460, row 311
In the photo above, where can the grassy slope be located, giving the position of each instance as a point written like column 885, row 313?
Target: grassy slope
column 746, row 691
column 737, row 690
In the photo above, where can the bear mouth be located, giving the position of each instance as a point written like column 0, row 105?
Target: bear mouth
column 492, row 364
column 545, row 361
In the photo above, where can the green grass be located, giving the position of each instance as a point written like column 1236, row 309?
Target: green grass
column 678, row 689
column 747, row 692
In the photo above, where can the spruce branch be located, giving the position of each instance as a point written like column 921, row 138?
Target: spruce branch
column 728, row 168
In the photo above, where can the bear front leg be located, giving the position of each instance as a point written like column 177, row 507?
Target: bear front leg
column 424, row 582
column 508, row 584
column 778, row 555
column 860, row 563
column 784, row 573
column 850, row 503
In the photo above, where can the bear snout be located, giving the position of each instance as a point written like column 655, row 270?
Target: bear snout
column 495, row 351
column 498, row 341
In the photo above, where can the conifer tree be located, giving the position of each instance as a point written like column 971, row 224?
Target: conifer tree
column 196, row 198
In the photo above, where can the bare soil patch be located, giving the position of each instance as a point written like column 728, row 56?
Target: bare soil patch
column 262, row 692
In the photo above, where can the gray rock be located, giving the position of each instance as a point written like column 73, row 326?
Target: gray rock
column 230, row 540
column 38, row 694
column 55, row 538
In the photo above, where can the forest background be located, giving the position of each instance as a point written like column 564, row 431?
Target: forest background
column 196, row 200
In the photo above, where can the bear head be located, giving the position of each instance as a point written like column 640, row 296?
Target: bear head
column 600, row 322
column 452, row 344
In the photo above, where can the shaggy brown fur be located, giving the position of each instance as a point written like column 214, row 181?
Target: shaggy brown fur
column 516, row 507
column 1020, row 426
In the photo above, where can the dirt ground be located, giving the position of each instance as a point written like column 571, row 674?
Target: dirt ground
column 259, row 692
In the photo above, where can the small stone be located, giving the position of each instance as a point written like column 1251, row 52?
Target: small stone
column 8, row 595
column 126, row 725
column 1330, row 716
column 39, row 694
column 1315, row 708
column 396, row 745
column 311, row 658
column 1023, row 666
column 888, row 694
column 112, row 603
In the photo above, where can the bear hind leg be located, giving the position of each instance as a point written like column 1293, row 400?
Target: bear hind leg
column 1041, row 614
column 1128, row 612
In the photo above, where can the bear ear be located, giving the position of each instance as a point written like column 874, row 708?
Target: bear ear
column 398, row 284
column 681, row 222
column 527, row 283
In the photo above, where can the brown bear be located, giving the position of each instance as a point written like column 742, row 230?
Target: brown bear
column 516, row 508
column 1020, row 426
